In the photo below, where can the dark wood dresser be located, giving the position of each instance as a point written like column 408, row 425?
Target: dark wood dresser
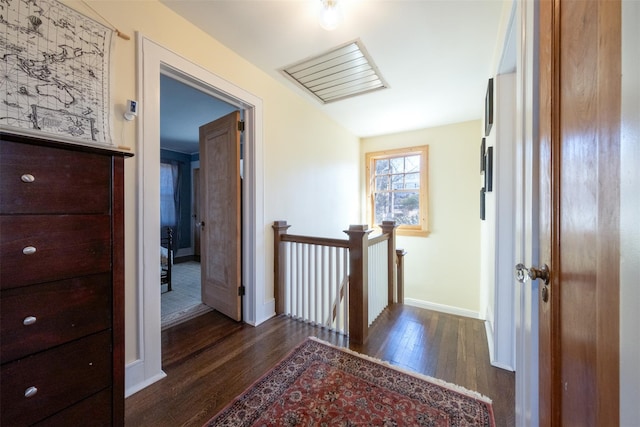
column 61, row 283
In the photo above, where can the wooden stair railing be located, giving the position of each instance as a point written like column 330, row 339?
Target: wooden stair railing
column 358, row 281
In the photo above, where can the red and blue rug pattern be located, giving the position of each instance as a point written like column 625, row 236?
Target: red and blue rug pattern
column 319, row 384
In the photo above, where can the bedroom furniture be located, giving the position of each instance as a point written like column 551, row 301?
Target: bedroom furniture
column 166, row 258
column 61, row 283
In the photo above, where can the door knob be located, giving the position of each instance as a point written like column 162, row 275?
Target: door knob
column 523, row 273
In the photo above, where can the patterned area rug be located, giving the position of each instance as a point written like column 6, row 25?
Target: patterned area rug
column 322, row 385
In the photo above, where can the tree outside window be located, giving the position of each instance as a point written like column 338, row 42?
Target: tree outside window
column 397, row 188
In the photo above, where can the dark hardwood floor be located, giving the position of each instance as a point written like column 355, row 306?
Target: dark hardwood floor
column 210, row 360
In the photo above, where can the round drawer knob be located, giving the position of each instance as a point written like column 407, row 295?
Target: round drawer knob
column 30, row 392
column 29, row 250
column 27, row 177
column 29, row 320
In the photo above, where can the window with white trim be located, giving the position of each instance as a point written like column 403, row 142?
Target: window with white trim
column 397, row 189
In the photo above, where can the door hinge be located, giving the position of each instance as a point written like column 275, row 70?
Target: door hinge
column 241, row 126
column 241, row 291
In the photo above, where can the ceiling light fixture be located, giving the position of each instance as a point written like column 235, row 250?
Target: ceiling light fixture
column 330, row 15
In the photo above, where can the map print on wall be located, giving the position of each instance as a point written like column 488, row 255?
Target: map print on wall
column 54, row 71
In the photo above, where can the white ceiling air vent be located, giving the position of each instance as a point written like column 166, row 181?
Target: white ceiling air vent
column 338, row 74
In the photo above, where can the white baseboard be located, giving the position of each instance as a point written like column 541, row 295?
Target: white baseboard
column 266, row 312
column 491, row 344
column 490, row 340
column 135, row 379
column 443, row 308
column 502, row 366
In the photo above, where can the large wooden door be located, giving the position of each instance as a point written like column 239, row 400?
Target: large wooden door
column 580, row 84
column 221, row 216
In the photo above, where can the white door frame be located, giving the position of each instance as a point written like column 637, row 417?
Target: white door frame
column 526, row 215
column 154, row 60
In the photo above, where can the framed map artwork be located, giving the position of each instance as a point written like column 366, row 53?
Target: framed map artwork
column 54, row 76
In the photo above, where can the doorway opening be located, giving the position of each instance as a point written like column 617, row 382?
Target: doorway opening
column 144, row 345
column 183, row 110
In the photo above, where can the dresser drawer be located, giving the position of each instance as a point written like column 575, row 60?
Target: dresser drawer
column 45, row 248
column 35, row 179
column 60, row 377
column 37, row 317
column 95, row 411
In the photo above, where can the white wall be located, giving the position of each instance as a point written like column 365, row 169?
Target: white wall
column 311, row 165
column 442, row 270
column 497, row 231
column 629, row 215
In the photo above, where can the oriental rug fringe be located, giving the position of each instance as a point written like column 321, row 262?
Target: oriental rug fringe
column 319, row 384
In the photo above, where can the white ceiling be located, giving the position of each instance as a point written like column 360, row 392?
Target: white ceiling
column 436, row 56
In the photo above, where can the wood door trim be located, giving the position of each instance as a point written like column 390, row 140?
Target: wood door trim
column 550, row 391
column 548, row 134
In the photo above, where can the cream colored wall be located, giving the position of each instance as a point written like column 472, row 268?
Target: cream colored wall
column 314, row 175
column 442, row 270
column 311, row 171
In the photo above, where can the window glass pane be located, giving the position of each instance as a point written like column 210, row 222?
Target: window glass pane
column 412, row 181
column 397, row 187
column 397, row 165
column 382, row 183
column 412, row 164
column 405, row 208
column 168, row 181
column 382, row 207
column 382, row 166
column 397, row 182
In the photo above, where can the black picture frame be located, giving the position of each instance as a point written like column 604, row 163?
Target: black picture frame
column 488, row 108
column 482, row 154
column 482, row 215
column 488, row 170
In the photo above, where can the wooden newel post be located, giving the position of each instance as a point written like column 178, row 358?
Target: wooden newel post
column 279, row 228
column 389, row 227
column 358, row 283
column 400, row 253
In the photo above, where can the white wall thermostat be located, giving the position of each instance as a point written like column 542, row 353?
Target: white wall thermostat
column 131, row 110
